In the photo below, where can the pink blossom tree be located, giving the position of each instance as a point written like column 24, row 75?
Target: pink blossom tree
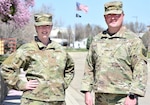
column 16, row 12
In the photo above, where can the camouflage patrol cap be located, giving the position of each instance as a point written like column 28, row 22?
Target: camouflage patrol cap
column 43, row 19
column 113, row 7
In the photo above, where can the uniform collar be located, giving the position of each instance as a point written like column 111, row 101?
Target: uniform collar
column 40, row 44
column 119, row 34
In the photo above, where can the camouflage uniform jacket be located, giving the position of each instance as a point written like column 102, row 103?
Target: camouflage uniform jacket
column 116, row 64
column 50, row 65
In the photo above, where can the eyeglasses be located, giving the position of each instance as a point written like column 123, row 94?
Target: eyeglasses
column 113, row 16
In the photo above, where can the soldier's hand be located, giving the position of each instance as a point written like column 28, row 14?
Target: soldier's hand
column 31, row 84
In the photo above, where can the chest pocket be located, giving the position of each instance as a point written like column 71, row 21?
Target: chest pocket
column 43, row 58
column 112, row 48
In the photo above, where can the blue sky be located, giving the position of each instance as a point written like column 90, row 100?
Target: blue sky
column 65, row 10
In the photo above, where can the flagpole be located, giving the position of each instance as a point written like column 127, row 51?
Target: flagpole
column 74, row 29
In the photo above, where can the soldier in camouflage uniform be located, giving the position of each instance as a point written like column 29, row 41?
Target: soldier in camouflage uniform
column 116, row 64
column 49, row 69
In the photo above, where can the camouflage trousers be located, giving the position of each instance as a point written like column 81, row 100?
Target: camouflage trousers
column 110, row 99
column 25, row 101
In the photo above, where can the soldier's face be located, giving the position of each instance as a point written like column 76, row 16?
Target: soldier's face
column 43, row 31
column 114, row 20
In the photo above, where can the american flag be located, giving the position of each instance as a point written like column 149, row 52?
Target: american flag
column 81, row 7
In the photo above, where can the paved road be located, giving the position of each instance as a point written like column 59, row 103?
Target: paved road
column 73, row 94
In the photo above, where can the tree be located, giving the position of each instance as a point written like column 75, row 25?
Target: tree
column 79, row 32
column 15, row 12
column 59, row 34
column 136, row 27
column 23, row 34
column 146, row 40
column 70, row 34
column 88, row 30
column 44, row 9
column 97, row 29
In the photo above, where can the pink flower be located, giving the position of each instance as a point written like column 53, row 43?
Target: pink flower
column 15, row 11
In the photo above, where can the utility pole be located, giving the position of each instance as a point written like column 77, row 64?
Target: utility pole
column 136, row 18
column 136, row 24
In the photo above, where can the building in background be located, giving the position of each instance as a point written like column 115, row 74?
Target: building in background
column 7, row 45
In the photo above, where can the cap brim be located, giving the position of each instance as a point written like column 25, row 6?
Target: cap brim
column 113, row 12
column 43, row 23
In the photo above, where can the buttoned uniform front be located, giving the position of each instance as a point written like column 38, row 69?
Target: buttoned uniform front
column 50, row 65
column 116, row 64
